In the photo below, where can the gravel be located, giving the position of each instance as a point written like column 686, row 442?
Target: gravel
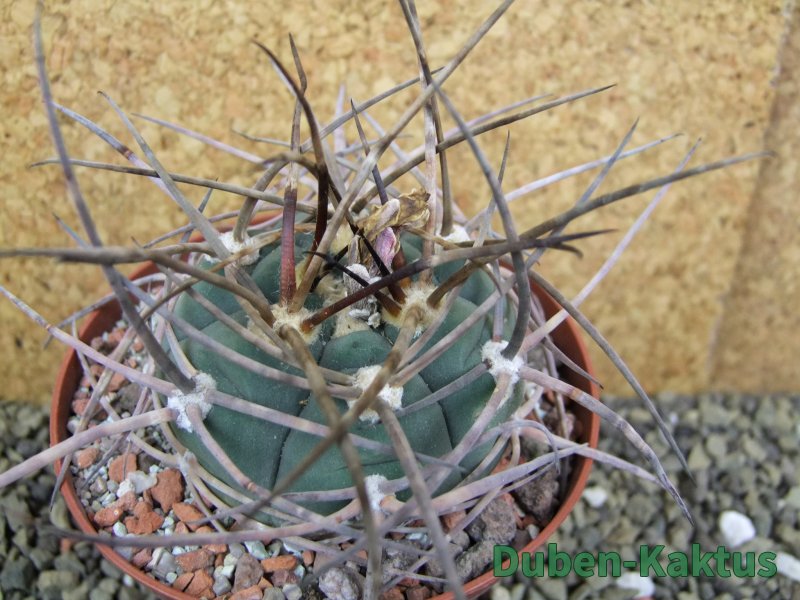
column 743, row 452
column 35, row 562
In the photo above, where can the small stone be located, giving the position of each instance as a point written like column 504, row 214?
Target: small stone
column 121, row 466
column 736, row 528
column 540, row 496
column 141, row 481
column 17, row 575
column 393, row 594
column 473, row 561
column 460, row 539
column 187, row 513
column 126, row 487
column 552, row 588
column 715, row 414
column 292, row 592
column 698, row 460
column 182, row 581
column 717, row 445
column 80, row 405
column 257, row 549
column 418, row 593
column 163, row 562
column 169, row 488
column 200, row 585
column 49, row 582
column 145, row 520
column 194, row 561
column 216, row 548
column 180, row 528
column 495, row 524
column 499, row 593
column 119, row 529
column 127, row 502
column 251, row 593
column 450, row 520
column 230, row 560
column 16, row 512
column 87, row 457
column 792, row 498
column 435, row 567
column 282, row 577
column 276, row 563
column 595, row 496
column 222, row 585
column 42, row 558
column 273, row 594
column 106, row 517
column 644, row 586
column 142, row 557
column 98, row 487
column 340, row 584
column 788, row 565
column 308, row 557
column 116, row 382
column 248, row 572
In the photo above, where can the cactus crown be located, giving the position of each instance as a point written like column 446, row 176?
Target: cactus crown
column 366, row 352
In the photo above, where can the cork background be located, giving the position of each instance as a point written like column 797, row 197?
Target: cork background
column 705, row 297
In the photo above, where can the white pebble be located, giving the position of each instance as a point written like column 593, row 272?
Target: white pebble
column 499, row 593
column 736, row 528
column 227, row 570
column 141, row 481
column 595, row 496
column 125, row 487
column 98, row 486
column 644, row 586
column 154, row 469
column 788, row 565
column 230, row 560
column 119, row 529
column 292, row 592
column 257, row 549
column 288, row 548
column 168, row 522
column 171, row 577
column 154, row 560
column 112, row 485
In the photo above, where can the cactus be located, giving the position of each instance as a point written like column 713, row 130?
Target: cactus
column 362, row 357
column 354, row 343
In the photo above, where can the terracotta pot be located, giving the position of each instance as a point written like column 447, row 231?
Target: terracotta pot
column 566, row 337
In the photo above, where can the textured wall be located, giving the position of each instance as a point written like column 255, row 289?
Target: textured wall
column 703, row 69
column 758, row 343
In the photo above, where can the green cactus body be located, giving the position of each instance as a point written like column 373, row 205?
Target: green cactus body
column 266, row 451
